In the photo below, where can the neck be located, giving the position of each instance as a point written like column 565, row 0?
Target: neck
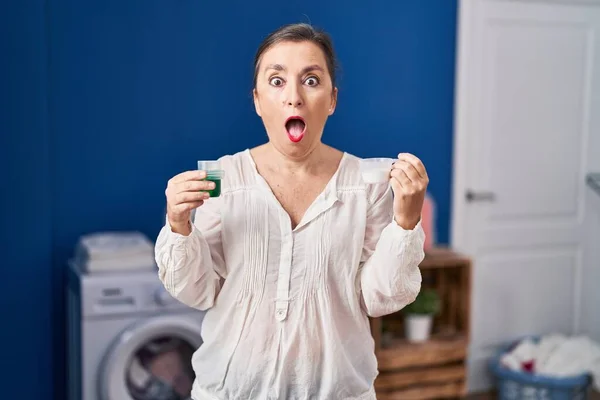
column 307, row 163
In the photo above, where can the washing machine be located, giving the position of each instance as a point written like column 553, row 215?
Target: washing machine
column 128, row 338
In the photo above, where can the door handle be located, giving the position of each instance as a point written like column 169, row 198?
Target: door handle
column 479, row 196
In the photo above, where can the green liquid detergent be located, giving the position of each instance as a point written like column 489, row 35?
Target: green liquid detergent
column 216, row 192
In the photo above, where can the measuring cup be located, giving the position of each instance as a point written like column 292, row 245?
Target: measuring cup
column 214, row 173
column 376, row 170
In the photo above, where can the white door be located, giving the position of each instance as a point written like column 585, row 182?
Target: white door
column 528, row 101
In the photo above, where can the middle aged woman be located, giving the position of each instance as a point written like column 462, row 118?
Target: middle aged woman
column 297, row 251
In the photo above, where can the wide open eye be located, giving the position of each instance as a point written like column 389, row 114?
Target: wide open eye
column 311, row 81
column 275, row 81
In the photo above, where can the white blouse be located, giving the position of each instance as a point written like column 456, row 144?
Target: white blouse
column 287, row 308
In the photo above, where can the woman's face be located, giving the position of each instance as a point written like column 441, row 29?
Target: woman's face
column 294, row 96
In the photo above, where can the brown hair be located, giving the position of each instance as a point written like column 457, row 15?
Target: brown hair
column 299, row 33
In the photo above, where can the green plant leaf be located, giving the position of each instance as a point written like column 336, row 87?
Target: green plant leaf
column 427, row 303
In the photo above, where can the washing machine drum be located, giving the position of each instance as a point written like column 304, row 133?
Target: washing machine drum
column 151, row 361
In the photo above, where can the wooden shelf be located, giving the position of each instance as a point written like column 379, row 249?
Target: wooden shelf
column 441, row 391
column 430, row 376
column 402, row 354
column 435, row 369
column 442, row 257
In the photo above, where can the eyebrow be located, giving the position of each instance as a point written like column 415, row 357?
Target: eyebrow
column 279, row 67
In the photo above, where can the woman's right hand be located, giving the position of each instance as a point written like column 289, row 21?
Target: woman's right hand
column 184, row 193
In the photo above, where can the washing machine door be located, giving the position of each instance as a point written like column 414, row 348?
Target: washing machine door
column 151, row 360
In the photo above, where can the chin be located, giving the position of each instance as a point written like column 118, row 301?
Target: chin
column 296, row 149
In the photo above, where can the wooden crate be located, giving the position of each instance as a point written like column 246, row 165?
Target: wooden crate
column 437, row 368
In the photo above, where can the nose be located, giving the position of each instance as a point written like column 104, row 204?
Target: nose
column 294, row 96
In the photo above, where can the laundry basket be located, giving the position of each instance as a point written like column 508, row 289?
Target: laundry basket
column 517, row 385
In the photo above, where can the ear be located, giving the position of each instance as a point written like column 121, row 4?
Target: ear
column 334, row 94
column 256, row 102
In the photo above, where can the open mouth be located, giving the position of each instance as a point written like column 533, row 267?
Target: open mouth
column 295, row 127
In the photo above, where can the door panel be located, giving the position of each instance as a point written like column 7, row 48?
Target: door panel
column 527, row 72
column 516, row 309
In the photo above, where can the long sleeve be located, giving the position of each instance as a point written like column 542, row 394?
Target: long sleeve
column 389, row 277
column 192, row 267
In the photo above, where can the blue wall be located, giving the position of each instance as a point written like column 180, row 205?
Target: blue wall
column 103, row 101
column 26, row 289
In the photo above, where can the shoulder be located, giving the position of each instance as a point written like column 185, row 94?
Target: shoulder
column 350, row 180
column 233, row 160
column 237, row 169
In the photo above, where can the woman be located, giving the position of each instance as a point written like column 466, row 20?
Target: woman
column 297, row 251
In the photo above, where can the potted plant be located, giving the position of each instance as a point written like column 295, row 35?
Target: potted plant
column 419, row 315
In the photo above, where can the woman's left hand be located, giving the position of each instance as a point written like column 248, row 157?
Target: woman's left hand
column 409, row 181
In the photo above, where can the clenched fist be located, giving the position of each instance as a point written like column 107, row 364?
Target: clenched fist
column 409, row 181
column 185, row 192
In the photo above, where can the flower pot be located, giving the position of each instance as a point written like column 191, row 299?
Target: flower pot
column 417, row 328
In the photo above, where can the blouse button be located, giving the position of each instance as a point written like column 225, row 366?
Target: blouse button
column 280, row 315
